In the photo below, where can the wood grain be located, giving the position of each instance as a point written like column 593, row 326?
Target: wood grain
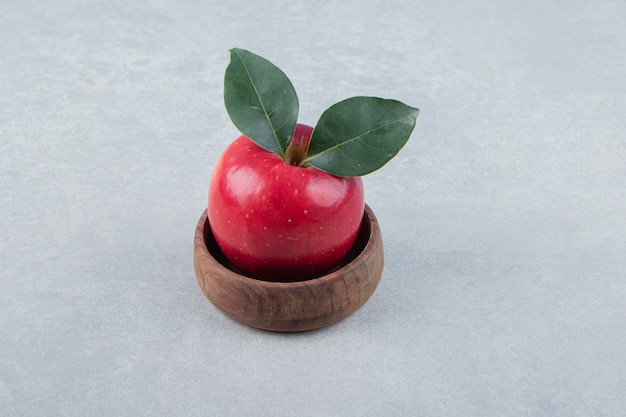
column 291, row 306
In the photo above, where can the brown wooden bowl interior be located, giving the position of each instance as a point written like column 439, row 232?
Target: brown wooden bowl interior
column 290, row 306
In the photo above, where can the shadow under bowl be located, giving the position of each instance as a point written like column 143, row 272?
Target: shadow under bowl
column 291, row 306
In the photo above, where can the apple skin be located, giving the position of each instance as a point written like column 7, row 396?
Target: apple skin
column 280, row 222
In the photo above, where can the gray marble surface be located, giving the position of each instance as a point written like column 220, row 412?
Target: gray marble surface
column 504, row 217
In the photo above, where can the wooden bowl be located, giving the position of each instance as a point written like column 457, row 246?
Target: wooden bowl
column 291, row 306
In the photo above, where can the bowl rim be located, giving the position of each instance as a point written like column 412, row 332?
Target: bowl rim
column 373, row 236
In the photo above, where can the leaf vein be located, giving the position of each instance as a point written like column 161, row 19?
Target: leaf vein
column 265, row 112
column 339, row 146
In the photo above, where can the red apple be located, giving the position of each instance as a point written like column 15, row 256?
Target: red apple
column 286, row 200
column 276, row 220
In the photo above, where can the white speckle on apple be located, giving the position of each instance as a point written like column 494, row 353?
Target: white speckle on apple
column 306, row 211
column 288, row 220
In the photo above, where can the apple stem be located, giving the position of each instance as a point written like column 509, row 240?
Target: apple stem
column 295, row 154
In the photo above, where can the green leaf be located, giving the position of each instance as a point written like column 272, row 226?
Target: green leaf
column 359, row 135
column 260, row 100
